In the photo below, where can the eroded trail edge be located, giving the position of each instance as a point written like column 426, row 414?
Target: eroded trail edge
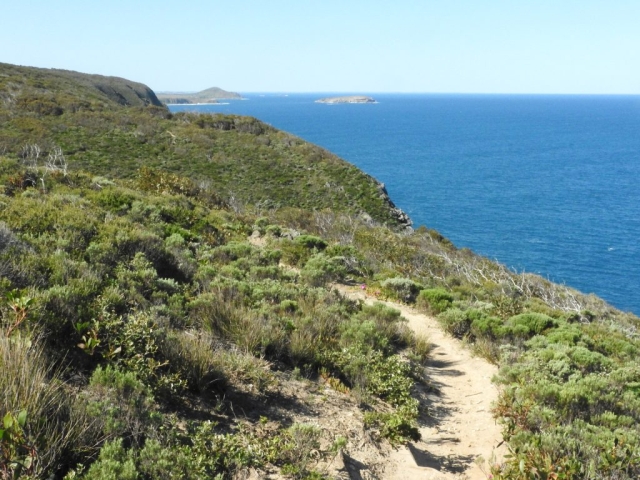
column 459, row 427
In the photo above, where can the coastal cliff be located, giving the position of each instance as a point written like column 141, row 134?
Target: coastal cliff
column 204, row 296
column 92, row 119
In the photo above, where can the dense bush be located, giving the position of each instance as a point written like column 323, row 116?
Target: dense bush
column 403, row 289
column 310, row 242
column 435, row 300
column 529, row 324
column 456, row 322
column 320, row 269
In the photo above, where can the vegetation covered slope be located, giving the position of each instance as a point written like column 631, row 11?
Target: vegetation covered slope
column 51, row 91
column 136, row 317
column 241, row 158
column 138, row 321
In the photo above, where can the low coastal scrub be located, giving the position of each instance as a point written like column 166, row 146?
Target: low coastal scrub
column 568, row 369
column 125, row 305
column 140, row 316
column 95, row 123
column 150, row 299
column 155, row 298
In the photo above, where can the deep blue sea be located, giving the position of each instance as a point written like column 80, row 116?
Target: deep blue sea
column 543, row 183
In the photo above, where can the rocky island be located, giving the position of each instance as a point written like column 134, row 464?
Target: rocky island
column 347, row 99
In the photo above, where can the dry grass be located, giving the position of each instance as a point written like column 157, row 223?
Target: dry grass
column 207, row 366
column 487, row 349
column 422, row 346
column 29, row 382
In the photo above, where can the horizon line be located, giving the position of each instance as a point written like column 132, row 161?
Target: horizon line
column 364, row 92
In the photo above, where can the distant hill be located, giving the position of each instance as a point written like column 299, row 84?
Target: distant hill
column 42, row 89
column 210, row 95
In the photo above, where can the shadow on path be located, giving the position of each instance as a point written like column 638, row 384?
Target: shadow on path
column 450, row 463
column 353, row 467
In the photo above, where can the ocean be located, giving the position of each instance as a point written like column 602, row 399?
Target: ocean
column 548, row 184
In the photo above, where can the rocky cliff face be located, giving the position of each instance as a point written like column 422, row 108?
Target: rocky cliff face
column 398, row 214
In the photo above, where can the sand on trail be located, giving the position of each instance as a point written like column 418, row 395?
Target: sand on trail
column 459, row 426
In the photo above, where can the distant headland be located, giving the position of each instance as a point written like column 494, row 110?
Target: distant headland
column 210, row 95
column 347, row 99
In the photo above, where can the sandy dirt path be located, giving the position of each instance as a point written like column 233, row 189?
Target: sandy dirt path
column 459, row 426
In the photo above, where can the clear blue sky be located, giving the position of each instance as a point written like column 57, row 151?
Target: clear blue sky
column 455, row 46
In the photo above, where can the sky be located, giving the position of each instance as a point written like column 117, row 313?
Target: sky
column 425, row 46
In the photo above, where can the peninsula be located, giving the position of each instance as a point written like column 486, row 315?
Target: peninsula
column 210, row 95
column 347, row 99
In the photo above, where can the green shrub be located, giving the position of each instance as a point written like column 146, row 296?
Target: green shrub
column 375, row 327
column 455, row 321
column 115, row 199
column 174, row 240
column 435, row 300
column 292, row 253
column 123, row 405
column 311, row 242
column 269, row 257
column 396, row 427
column 260, row 273
column 133, row 343
column 261, row 225
column 288, row 306
column 567, row 335
column 321, row 269
column 484, row 325
column 233, row 251
column 529, row 324
column 403, row 289
column 273, row 230
column 388, row 323
column 362, row 334
column 114, row 463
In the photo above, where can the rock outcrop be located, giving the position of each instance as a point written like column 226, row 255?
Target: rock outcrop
column 347, row 99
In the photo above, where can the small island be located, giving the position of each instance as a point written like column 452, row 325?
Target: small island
column 347, row 99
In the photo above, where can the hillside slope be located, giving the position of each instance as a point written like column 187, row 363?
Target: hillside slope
column 99, row 126
column 154, row 326
column 49, row 91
